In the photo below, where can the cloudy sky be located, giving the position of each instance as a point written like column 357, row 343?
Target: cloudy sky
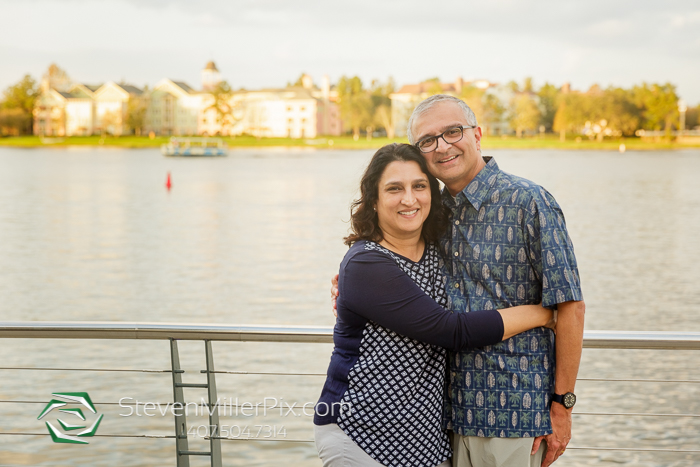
column 263, row 43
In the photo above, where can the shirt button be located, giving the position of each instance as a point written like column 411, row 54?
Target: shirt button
column 456, row 222
column 456, row 285
column 456, row 253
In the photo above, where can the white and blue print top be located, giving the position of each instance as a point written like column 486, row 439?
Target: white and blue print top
column 386, row 378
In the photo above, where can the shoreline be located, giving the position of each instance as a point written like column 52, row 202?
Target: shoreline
column 346, row 142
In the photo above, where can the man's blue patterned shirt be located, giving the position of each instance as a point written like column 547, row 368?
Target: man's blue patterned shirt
column 507, row 245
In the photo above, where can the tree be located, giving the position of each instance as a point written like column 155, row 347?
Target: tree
column 55, row 78
column 619, row 111
column 381, row 105
column 474, row 96
column 434, row 86
column 13, row 121
column 110, row 123
column 222, row 106
column 355, row 104
column 493, row 111
column 136, row 112
column 18, row 105
column 549, row 96
column 659, row 104
column 571, row 113
column 691, row 117
column 298, row 82
column 524, row 114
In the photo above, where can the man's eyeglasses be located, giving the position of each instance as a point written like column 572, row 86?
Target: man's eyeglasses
column 450, row 136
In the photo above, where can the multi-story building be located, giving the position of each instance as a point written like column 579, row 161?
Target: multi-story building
column 175, row 108
column 112, row 106
column 84, row 110
column 65, row 113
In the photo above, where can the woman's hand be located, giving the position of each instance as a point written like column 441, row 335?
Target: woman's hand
column 552, row 324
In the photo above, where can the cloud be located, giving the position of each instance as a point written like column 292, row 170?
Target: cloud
column 258, row 43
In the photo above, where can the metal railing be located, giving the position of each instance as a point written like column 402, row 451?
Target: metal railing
column 294, row 334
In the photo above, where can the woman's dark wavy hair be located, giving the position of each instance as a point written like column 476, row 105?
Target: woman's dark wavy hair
column 364, row 223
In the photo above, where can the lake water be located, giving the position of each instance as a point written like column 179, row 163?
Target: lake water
column 93, row 235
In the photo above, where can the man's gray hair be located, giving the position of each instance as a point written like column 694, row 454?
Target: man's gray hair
column 431, row 101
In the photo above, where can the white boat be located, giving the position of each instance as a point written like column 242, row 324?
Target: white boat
column 195, row 147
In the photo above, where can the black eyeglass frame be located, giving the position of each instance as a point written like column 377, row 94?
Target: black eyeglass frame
column 442, row 135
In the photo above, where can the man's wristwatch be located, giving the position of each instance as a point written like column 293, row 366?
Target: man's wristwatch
column 568, row 400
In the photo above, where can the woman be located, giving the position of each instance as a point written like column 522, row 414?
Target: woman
column 382, row 400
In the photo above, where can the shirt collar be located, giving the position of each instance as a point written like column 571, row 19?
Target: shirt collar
column 474, row 192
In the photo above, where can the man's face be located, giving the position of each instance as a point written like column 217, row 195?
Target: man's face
column 454, row 164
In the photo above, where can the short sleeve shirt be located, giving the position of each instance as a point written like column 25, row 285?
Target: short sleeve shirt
column 507, row 245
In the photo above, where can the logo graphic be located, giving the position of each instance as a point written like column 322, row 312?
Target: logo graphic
column 76, row 397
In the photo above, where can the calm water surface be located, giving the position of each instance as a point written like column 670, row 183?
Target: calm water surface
column 92, row 234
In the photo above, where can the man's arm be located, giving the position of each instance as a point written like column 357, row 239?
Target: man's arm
column 569, row 342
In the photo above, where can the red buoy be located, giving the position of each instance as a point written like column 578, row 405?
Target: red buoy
column 168, row 182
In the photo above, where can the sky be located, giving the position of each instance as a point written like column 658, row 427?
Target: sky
column 267, row 43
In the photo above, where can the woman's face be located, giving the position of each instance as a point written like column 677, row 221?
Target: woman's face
column 404, row 199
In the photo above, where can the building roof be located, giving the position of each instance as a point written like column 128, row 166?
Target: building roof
column 184, row 86
column 92, row 87
column 211, row 66
column 130, row 89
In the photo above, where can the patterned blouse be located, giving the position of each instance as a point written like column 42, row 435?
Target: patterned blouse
column 385, row 383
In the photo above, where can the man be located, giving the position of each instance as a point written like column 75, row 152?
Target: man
column 507, row 245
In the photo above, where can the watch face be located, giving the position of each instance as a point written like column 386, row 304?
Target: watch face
column 569, row 400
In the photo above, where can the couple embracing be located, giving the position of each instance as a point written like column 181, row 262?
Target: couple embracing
column 444, row 343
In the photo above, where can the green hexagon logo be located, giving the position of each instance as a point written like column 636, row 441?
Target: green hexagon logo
column 63, row 436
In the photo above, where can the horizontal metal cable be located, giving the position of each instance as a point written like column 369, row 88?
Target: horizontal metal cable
column 141, row 403
column 587, row 448
column 279, row 373
column 677, row 415
column 281, row 440
column 12, row 433
column 125, row 370
column 296, row 440
column 617, row 414
column 272, row 373
column 96, row 403
column 641, row 380
column 679, row 340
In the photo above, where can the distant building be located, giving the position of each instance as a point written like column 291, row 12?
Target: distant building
column 111, row 108
column 175, row 108
column 210, row 77
column 282, row 113
column 80, row 110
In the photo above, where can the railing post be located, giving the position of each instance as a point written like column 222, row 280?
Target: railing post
column 181, row 445
column 214, row 441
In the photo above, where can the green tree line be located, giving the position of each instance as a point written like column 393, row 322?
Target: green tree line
column 597, row 112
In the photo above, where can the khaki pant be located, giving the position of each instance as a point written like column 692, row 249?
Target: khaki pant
column 336, row 449
column 472, row 451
